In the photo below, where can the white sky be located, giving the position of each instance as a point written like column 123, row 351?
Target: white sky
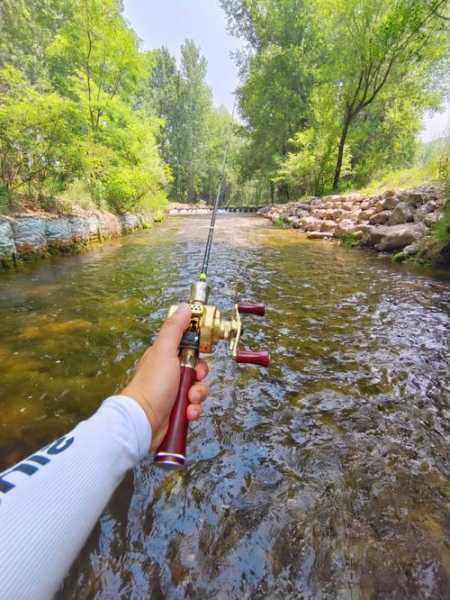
column 169, row 22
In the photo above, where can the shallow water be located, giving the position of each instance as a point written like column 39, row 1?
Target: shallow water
column 324, row 476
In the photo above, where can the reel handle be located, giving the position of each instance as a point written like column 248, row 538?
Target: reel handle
column 253, row 358
column 252, row 309
column 171, row 454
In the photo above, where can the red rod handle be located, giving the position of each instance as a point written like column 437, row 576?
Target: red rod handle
column 252, row 309
column 171, row 454
column 253, row 358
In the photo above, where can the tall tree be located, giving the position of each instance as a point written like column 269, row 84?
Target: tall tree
column 277, row 77
column 372, row 45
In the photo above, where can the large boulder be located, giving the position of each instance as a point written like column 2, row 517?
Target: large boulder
column 58, row 233
column 7, row 245
column 418, row 196
column 396, row 237
column 402, row 213
column 29, row 234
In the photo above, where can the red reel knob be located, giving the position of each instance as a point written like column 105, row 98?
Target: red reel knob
column 252, row 309
column 253, row 358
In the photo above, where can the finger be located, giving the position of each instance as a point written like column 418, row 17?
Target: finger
column 171, row 332
column 198, row 393
column 194, row 411
column 201, row 370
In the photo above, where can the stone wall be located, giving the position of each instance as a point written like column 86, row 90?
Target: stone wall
column 27, row 235
column 393, row 221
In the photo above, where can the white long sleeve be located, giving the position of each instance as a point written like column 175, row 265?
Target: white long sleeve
column 50, row 501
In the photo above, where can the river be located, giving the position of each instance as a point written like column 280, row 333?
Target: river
column 325, row 476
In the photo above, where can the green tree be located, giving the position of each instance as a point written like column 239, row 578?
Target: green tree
column 370, row 47
column 26, row 29
column 274, row 95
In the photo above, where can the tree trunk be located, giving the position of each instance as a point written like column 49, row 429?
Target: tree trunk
column 272, row 192
column 340, row 156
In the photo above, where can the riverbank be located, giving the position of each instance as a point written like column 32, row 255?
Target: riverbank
column 396, row 221
column 29, row 235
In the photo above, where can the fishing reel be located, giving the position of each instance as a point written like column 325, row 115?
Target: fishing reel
column 207, row 327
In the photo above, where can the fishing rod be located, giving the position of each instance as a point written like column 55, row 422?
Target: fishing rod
column 207, row 326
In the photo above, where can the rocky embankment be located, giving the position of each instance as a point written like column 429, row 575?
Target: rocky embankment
column 177, row 208
column 394, row 221
column 27, row 235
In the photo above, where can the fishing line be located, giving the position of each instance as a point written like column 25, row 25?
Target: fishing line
column 209, row 241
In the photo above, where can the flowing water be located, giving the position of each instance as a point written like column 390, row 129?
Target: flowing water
column 324, row 476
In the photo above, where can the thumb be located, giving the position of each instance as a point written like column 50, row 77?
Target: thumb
column 171, row 332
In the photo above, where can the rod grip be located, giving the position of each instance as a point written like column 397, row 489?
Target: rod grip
column 171, row 454
column 253, row 358
column 252, row 309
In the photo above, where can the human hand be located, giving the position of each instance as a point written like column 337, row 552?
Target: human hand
column 155, row 383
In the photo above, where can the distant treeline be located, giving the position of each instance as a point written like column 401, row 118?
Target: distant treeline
column 332, row 93
column 86, row 117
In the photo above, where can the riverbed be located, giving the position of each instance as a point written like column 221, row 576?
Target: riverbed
column 323, row 476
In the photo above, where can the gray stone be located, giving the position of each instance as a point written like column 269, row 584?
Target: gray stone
column 389, row 201
column 29, row 234
column 129, row 222
column 310, row 224
column 346, row 227
column 431, row 218
column 58, row 233
column 402, row 213
column 380, row 218
column 7, row 245
column 328, row 225
column 84, row 228
column 318, row 235
column 396, row 237
column 109, row 225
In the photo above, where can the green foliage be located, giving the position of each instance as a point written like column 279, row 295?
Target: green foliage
column 37, row 131
column 334, row 90
column 280, row 221
column 194, row 134
column 349, row 240
column 77, row 127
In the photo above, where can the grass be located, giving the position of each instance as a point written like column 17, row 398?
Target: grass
column 280, row 221
column 404, row 178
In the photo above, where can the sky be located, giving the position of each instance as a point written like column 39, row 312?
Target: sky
column 169, row 22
